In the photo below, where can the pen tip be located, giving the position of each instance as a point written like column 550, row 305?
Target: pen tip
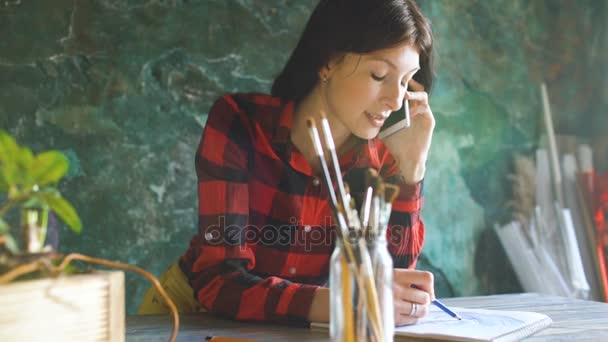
column 459, row 318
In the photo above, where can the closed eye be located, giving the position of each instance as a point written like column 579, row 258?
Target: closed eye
column 378, row 78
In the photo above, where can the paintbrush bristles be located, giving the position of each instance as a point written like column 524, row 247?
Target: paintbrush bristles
column 314, row 136
column 310, row 123
column 391, row 192
column 371, row 178
column 371, row 173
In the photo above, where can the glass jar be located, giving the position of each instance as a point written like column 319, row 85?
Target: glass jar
column 382, row 264
column 359, row 309
column 347, row 321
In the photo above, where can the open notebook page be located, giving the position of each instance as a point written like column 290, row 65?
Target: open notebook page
column 476, row 325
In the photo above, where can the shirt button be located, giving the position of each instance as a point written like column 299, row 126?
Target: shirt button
column 315, row 181
column 292, row 270
column 307, row 228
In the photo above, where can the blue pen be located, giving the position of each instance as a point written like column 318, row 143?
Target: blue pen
column 442, row 306
column 446, row 310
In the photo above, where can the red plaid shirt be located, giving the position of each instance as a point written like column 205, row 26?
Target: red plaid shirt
column 265, row 226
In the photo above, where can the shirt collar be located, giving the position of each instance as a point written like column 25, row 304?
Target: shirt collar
column 288, row 152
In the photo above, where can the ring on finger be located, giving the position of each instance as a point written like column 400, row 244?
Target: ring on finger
column 413, row 309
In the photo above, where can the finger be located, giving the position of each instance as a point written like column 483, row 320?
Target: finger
column 422, row 279
column 401, row 320
column 408, row 277
column 410, row 294
column 421, row 96
column 426, row 118
column 414, row 309
column 422, row 310
column 402, row 307
column 420, row 109
column 406, row 313
column 415, row 85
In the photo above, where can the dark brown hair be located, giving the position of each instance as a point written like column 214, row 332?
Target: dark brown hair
column 356, row 26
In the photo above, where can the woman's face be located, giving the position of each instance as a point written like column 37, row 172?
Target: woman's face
column 363, row 89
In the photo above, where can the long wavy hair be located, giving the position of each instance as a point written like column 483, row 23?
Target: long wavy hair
column 356, row 26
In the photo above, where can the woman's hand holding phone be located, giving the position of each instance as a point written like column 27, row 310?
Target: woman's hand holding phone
column 410, row 146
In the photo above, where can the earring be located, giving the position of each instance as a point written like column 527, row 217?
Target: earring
column 324, row 78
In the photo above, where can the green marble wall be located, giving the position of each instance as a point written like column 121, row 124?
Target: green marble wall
column 123, row 88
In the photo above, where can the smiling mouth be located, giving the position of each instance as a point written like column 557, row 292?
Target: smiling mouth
column 377, row 120
column 376, row 116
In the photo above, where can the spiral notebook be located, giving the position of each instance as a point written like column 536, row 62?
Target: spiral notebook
column 476, row 325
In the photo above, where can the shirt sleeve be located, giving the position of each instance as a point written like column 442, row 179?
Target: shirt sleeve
column 405, row 232
column 219, row 261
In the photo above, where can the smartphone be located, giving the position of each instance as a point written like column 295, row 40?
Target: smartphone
column 396, row 121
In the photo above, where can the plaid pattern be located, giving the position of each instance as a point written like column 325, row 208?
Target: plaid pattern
column 265, row 226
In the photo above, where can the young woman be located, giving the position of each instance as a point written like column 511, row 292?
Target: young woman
column 265, row 226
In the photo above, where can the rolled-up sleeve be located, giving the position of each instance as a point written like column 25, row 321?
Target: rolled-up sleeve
column 406, row 230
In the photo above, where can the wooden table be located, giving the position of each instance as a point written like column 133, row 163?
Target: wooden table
column 572, row 320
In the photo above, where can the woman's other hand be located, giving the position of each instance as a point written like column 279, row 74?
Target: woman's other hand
column 412, row 303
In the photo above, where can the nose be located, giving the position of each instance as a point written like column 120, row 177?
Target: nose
column 393, row 97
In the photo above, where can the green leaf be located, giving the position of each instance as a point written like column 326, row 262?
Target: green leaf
column 49, row 167
column 25, row 159
column 9, row 151
column 8, row 147
column 3, row 183
column 34, row 202
column 9, row 175
column 63, row 209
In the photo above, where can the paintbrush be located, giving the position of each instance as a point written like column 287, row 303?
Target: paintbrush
column 351, row 213
column 335, row 205
column 316, row 142
column 391, row 192
column 331, row 147
column 366, row 208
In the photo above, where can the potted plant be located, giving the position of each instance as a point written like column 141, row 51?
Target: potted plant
column 39, row 301
column 47, row 304
column 28, row 183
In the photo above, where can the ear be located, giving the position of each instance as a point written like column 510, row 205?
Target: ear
column 324, row 73
column 330, row 67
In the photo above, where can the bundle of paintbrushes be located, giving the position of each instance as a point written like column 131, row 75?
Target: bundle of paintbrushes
column 375, row 213
column 357, row 313
column 377, row 206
